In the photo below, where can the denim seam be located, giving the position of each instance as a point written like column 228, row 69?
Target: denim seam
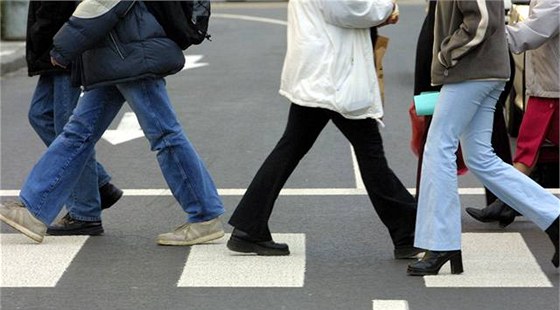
column 170, row 150
column 63, row 170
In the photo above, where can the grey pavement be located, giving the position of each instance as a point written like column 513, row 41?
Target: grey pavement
column 12, row 56
column 230, row 109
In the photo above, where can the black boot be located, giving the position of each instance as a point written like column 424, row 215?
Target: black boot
column 244, row 243
column 552, row 232
column 432, row 261
column 496, row 211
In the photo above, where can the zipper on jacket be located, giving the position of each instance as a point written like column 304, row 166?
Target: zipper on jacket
column 116, row 45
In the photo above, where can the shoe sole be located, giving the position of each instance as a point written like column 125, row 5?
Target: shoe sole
column 92, row 231
column 24, row 230
column 241, row 246
column 214, row 236
column 413, row 272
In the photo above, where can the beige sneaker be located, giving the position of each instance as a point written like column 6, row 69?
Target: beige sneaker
column 193, row 233
column 16, row 215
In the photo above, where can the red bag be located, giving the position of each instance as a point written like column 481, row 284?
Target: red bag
column 419, row 126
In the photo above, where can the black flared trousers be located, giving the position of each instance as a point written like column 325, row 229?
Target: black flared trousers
column 395, row 206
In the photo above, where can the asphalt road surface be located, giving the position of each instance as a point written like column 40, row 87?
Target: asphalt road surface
column 227, row 99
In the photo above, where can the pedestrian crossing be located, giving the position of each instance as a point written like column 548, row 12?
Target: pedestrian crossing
column 28, row 264
column 214, row 265
column 390, row 304
column 490, row 259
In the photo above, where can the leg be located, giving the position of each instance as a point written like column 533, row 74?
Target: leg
column 94, row 186
column 254, row 209
column 510, row 185
column 438, row 224
column 185, row 173
column 421, row 156
column 393, row 203
column 41, row 112
column 84, row 201
column 49, row 184
column 496, row 209
column 500, row 137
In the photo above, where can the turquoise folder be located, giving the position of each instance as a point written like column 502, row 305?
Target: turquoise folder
column 425, row 102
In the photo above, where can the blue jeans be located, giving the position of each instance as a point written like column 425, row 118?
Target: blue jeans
column 465, row 111
column 52, row 104
column 58, row 170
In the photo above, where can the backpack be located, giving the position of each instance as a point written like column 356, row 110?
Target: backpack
column 185, row 22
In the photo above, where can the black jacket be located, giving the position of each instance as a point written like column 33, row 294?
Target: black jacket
column 44, row 19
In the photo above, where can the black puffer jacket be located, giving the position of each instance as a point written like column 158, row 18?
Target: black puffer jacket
column 43, row 21
column 113, row 42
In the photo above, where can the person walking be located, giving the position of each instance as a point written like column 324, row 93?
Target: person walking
column 328, row 75
column 421, row 124
column 471, row 62
column 123, row 55
column 538, row 36
column 52, row 103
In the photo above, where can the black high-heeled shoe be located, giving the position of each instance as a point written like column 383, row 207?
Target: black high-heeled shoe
column 553, row 233
column 497, row 211
column 432, row 261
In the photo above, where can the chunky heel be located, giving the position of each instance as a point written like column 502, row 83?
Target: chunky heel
column 432, row 261
column 456, row 264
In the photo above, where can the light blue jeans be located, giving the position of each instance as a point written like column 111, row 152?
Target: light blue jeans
column 52, row 104
column 465, row 111
column 48, row 185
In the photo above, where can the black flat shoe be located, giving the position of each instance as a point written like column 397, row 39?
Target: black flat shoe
column 244, row 243
column 409, row 252
column 553, row 233
column 497, row 211
column 69, row 226
column 432, row 261
column 109, row 195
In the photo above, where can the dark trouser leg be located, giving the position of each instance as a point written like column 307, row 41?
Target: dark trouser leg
column 393, row 203
column 254, row 209
column 421, row 156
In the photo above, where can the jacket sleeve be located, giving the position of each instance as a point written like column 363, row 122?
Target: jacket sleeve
column 91, row 22
column 542, row 23
column 478, row 24
column 356, row 13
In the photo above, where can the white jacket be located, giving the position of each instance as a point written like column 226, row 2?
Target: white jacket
column 539, row 36
column 329, row 61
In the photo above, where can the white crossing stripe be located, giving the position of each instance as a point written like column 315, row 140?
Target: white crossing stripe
column 493, row 260
column 382, row 304
column 28, row 264
column 284, row 192
column 213, row 265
